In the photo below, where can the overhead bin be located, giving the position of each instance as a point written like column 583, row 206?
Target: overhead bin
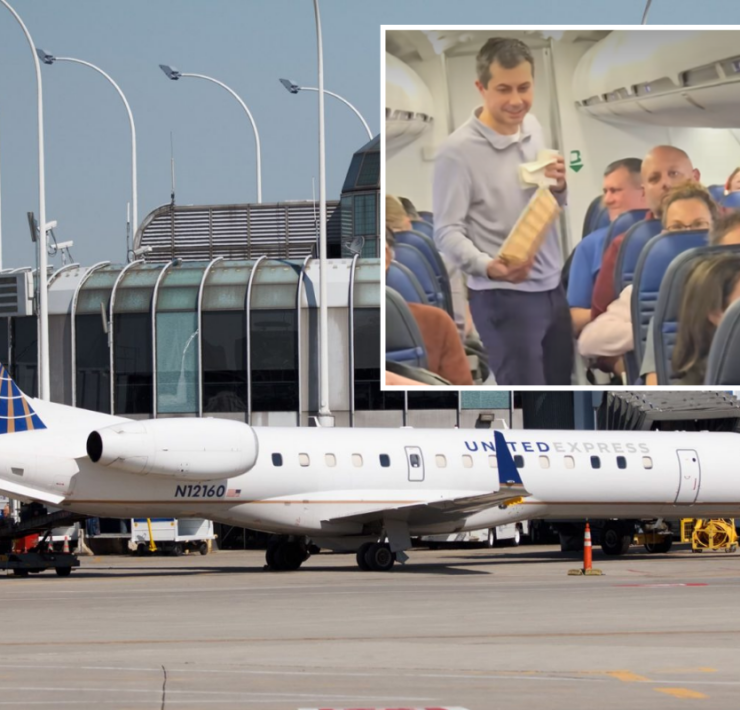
column 664, row 78
column 408, row 102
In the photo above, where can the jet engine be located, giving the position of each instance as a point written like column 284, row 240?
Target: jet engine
column 193, row 449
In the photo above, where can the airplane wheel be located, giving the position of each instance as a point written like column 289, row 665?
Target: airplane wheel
column 491, row 539
column 20, row 572
column 379, row 557
column 271, row 554
column 516, row 540
column 63, row 571
column 361, row 553
column 288, row 557
column 614, row 541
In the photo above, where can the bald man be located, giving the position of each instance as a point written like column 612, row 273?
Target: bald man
column 664, row 167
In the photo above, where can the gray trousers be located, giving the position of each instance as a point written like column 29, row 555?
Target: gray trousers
column 528, row 335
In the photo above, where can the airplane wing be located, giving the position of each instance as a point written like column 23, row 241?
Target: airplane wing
column 511, row 488
column 16, row 490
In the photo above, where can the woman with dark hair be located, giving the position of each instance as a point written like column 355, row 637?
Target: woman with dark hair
column 712, row 286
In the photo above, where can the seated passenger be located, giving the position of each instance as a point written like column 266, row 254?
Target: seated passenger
column 726, row 232
column 623, row 191
column 408, row 207
column 664, row 167
column 391, row 378
column 712, row 286
column 685, row 207
column 396, row 218
column 733, row 182
column 445, row 352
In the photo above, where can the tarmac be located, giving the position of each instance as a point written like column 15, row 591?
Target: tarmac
column 473, row 628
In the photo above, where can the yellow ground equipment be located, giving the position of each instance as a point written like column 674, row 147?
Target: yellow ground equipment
column 705, row 534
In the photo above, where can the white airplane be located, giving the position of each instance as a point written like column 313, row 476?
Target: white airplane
column 368, row 490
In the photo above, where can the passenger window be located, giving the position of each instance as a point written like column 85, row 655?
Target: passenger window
column 441, row 460
column 277, row 459
column 357, row 460
column 331, row 460
column 595, row 462
column 621, row 462
column 519, row 461
column 385, row 460
column 493, row 462
column 569, row 462
column 647, row 462
column 415, row 460
column 303, row 459
column 467, row 461
column 544, row 462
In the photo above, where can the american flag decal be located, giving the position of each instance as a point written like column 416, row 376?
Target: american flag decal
column 233, row 492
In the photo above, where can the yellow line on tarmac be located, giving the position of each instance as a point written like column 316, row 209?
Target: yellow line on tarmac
column 683, row 693
column 627, row 676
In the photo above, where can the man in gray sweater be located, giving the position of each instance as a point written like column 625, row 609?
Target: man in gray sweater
column 520, row 312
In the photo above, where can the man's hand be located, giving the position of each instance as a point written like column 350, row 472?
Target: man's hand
column 498, row 270
column 557, row 170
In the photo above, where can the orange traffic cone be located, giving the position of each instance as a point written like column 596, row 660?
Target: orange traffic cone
column 587, row 550
column 65, row 549
column 587, row 570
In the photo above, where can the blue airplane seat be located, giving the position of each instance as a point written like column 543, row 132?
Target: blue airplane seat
column 414, row 260
column 403, row 341
column 668, row 308
column 423, row 228
column 654, row 260
column 723, row 364
column 717, row 192
column 731, row 201
column 632, row 245
column 400, row 278
column 622, row 223
column 429, row 251
column 427, row 217
column 593, row 212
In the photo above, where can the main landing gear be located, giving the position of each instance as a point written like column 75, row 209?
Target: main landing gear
column 375, row 557
column 286, row 555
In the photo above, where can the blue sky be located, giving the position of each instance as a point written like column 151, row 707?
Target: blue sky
column 249, row 45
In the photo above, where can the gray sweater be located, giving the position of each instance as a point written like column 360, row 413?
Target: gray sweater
column 478, row 198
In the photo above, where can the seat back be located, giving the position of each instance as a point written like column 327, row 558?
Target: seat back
column 632, row 245
column 593, row 213
column 723, row 364
column 668, row 307
column 717, row 192
column 731, row 201
column 427, row 217
column 423, row 228
column 622, row 223
column 414, row 260
column 658, row 253
column 428, row 249
column 400, row 278
column 403, row 341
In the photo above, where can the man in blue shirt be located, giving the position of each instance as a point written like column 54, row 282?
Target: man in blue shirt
column 520, row 311
column 622, row 192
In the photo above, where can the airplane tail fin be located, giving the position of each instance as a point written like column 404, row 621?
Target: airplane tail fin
column 16, row 414
column 507, row 471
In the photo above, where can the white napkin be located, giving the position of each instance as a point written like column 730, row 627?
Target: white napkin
column 534, row 173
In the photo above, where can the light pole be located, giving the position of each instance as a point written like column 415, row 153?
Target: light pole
column 325, row 415
column 294, row 89
column 50, row 59
column 174, row 74
column 43, row 349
